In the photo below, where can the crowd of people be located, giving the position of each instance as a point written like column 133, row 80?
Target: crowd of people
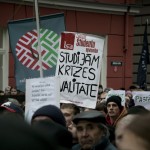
column 9, row 90
column 110, row 126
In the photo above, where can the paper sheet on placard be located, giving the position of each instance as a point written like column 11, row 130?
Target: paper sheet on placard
column 40, row 92
column 142, row 98
column 78, row 66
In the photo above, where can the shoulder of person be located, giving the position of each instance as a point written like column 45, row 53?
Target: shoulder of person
column 110, row 147
column 76, row 147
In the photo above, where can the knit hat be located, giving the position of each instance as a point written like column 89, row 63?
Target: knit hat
column 52, row 112
column 116, row 99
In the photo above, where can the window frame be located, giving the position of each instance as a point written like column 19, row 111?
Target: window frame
column 4, row 51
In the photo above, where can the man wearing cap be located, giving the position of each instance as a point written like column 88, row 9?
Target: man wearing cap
column 92, row 132
column 115, row 111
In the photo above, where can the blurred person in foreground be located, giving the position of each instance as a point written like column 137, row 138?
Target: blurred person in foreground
column 15, row 134
column 92, row 132
column 136, row 135
column 58, row 134
column 122, row 124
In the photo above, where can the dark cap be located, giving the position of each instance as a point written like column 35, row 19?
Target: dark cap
column 92, row 115
column 11, row 107
column 116, row 99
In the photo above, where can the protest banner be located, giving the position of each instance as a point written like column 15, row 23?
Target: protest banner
column 78, row 66
column 142, row 98
column 40, row 92
column 24, row 45
column 120, row 93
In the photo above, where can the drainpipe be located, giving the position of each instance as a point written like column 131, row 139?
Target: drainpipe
column 126, row 34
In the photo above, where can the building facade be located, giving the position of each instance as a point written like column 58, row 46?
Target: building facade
column 112, row 19
column 139, row 25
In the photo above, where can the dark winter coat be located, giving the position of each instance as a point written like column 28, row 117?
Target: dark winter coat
column 104, row 144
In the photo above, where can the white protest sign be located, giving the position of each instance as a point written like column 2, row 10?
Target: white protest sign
column 142, row 98
column 40, row 92
column 78, row 66
column 120, row 93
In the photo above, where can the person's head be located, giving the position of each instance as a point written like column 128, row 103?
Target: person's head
column 10, row 107
column 129, row 94
column 137, row 110
column 100, row 89
column 107, row 89
column 136, row 135
column 120, row 127
column 114, row 106
column 15, row 101
column 90, row 128
column 131, row 103
column 125, row 121
column 69, row 110
column 101, row 107
column 15, row 133
column 133, row 88
column 127, row 101
column 13, row 91
column 2, row 92
column 7, row 90
column 58, row 134
column 102, row 97
column 49, row 112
